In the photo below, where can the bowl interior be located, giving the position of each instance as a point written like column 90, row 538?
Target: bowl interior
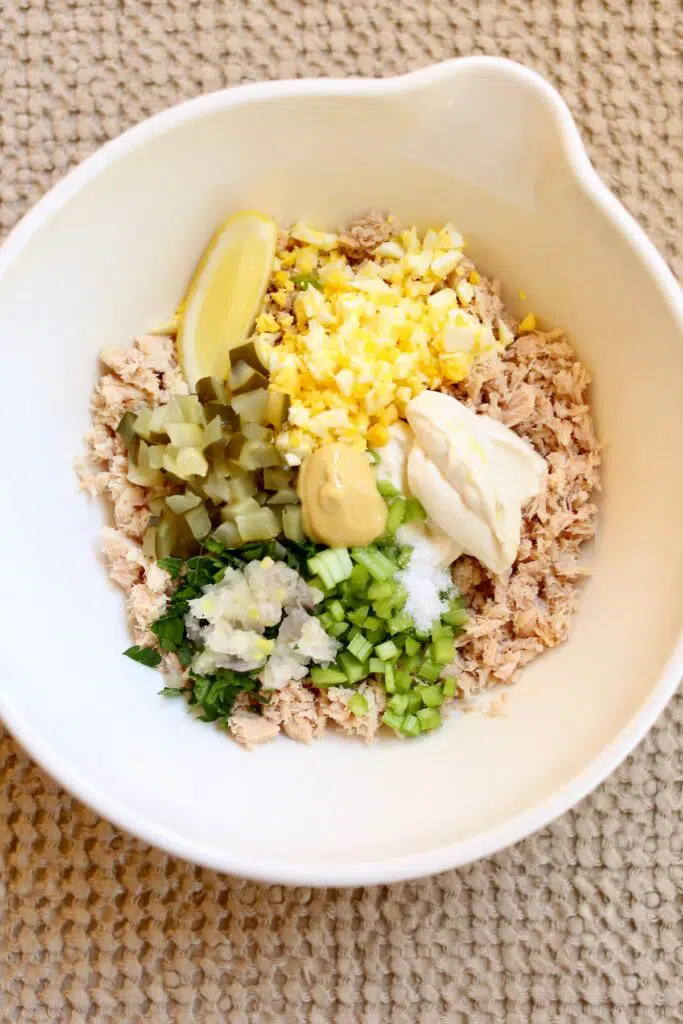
column 113, row 260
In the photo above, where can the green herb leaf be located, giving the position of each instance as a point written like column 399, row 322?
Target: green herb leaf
column 170, row 630
column 303, row 281
column 171, row 565
column 145, row 655
column 172, row 691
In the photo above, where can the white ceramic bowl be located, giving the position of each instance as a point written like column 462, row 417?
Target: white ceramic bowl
column 107, row 253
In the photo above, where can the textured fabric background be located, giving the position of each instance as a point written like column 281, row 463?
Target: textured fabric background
column 580, row 923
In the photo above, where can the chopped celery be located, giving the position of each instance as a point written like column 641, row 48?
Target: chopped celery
column 353, row 668
column 449, row 687
column 432, row 696
column 414, row 512
column 411, row 726
column 402, row 681
column 412, row 662
column 389, row 682
column 397, row 510
column 377, row 590
column 442, row 651
column 440, row 630
column 354, row 631
column 359, row 578
column 411, row 645
column 386, row 489
column 393, row 720
column 387, row 650
column 377, row 666
column 400, row 624
column 428, row 670
column 383, row 609
column 378, row 565
column 358, row 704
column 261, row 525
column 375, row 636
column 360, row 647
column 455, row 617
column 398, row 703
column 429, row 718
column 327, row 677
column 404, row 555
column 359, row 615
column 372, row 622
column 333, row 565
column 336, row 610
column 337, row 629
column 414, row 701
column 315, row 581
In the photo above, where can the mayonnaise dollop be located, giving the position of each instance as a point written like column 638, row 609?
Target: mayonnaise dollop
column 393, row 467
column 473, row 476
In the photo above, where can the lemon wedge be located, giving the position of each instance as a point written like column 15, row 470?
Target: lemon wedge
column 225, row 294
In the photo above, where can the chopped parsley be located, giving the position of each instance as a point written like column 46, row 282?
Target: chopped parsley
column 145, row 655
column 304, row 281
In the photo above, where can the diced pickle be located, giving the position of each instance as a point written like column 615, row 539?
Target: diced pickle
column 213, row 431
column 251, row 455
column 156, row 456
column 286, row 496
column 142, row 421
column 144, row 477
column 244, row 377
column 242, row 486
column 162, row 416
column 261, row 525
column 218, row 488
column 276, row 479
column 157, row 505
column 292, row 523
column 186, row 435
column 149, row 542
column 126, row 428
column 141, row 456
column 167, row 535
column 181, row 503
column 228, row 534
column 253, row 352
column 255, row 432
column 212, row 389
column 240, row 508
column 277, row 409
column 199, row 522
column 191, row 409
column 227, row 414
column 251, row 407
column 190, row 461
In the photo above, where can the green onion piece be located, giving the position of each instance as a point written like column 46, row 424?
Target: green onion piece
column 411, row 726
column 377, row 666
column 389, row 681
column 387, row 650
column 428, row 670
column 332, row 565
column 443, row 651
column 429, row 718
column 432, row 696
column 374, row 457
column 393, row 720
column 398, row 703
column 386, row 489
column 397, row 512
column 455, row 617
column 414, row 512
column 358, row 704
column 360, row 647
column 327, row 677
column 378, row 565
column 450, row 685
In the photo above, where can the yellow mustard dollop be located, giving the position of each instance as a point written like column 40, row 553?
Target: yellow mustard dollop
column 339, row 498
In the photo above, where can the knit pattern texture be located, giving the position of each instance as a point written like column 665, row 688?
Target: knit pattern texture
column 580, row 923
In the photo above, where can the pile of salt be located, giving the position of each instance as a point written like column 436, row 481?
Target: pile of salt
column 429, row 586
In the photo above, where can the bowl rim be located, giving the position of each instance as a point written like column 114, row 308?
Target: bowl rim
column 451, row 855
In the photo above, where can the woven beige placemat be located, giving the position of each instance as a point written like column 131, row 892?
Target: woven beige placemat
column 580, row 923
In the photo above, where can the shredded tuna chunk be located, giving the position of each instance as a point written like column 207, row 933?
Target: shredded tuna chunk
column 334, row 705
column 362, row 236
column 146, row 585
column 251, row 729
column 295, row 708
column 538, row 388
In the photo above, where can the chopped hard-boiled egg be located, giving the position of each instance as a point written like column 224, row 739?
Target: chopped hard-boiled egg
column 353, row 343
